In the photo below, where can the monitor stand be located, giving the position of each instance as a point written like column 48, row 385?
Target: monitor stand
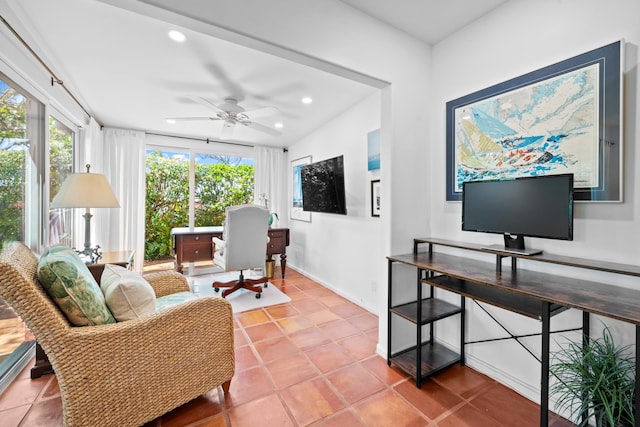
column 514, row 245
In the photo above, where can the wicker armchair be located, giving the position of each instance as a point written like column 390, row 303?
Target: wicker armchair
column 127, row 373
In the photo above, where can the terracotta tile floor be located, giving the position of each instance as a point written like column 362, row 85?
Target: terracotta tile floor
column 312, row 362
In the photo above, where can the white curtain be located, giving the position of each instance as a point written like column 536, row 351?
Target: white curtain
column 90, row 152
column 122, row 228
column 92, row 149
column 270, row 179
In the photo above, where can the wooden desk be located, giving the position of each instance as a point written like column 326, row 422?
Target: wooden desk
column 529, row 293
column 278, row 242
column 192, row 244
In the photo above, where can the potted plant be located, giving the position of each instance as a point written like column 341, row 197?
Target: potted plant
column 597, row 379
column 273, row 216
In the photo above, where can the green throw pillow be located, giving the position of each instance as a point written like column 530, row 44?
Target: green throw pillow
column 68, row 281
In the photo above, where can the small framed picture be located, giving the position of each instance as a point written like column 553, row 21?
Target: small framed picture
column 295, row 210
column 375, row 197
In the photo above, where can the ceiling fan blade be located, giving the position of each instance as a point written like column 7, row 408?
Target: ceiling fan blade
column 262, row 128
column 202, row 101
column 185, row 119
column 261, row 112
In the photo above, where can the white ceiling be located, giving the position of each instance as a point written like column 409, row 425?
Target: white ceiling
column 427, row 20
column 127, row 73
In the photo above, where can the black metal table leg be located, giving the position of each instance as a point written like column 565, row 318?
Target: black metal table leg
column 419, row 332
column 544, row 380
column 637, row 405
column 389, row 301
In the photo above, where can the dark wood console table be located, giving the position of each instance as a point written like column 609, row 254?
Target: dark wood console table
column 121, row 258
column 529, row 293
column 192, row 244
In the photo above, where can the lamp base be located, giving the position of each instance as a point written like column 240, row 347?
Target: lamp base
column 90, row 255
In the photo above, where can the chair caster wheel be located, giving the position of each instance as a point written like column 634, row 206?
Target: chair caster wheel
column 266, row 284
column 258, row 296
column 216, row 289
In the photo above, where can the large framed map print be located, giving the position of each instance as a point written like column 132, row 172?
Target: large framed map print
column 564, row 118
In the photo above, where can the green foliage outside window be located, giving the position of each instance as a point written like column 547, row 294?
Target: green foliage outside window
column 60, row 156
column 13, row 151
column 218, row 185
column 11, row 194
column 14, row 154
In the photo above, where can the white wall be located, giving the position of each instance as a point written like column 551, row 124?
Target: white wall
column 342, row 251
column 519, row 37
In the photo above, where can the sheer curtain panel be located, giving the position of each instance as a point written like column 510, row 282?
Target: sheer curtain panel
column 89, row 152
column 271, row 179
column 123, row 163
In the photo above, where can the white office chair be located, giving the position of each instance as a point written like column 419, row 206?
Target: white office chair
column 243, row 247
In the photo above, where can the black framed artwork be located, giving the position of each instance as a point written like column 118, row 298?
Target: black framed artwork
column 375, row 197
column 563, row 118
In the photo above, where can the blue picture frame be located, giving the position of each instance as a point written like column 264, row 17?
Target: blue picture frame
column 373, row 150
column 563, row 118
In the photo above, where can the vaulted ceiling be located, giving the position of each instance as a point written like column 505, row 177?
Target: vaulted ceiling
column 128, row 73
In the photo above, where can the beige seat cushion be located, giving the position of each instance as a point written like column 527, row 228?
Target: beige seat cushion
column 168, row 301
column 128, row 295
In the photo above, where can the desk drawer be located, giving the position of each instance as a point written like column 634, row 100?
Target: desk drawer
column 276, row 233
column 276, row 245
column 196, row 238
column 197, row 252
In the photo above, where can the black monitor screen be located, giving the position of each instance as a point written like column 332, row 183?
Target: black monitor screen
column 531, row 206
column 323, row 186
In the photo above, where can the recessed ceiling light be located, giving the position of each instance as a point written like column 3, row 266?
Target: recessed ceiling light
column 278, row 125
column 171, row 121
column 176, row 35
column 307, row 100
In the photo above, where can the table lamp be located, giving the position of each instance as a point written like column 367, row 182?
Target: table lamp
column 86, row 190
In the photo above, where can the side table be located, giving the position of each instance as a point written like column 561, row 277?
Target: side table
column 121, row 258
column 42, row 365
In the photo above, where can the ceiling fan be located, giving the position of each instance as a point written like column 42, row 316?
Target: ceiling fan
column 232, row 114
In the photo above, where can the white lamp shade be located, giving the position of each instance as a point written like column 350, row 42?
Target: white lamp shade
column 85, row 190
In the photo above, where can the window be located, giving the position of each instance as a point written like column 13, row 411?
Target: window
column 167, row 200
column 19, row 200
column 220, row 181
column 61, row 139
column 25, row 182
column 190, row 189
column 19, row 194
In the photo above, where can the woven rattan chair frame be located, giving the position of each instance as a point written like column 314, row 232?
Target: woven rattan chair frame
column 127, row 373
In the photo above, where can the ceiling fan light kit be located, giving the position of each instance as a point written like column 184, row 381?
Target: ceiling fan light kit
column 231, row 114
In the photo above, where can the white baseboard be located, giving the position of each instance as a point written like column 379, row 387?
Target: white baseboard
column 347, row 296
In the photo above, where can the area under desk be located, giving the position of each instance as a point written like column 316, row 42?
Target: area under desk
column 530, row 293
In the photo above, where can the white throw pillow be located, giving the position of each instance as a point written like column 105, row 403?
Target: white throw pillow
column 127, row 294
